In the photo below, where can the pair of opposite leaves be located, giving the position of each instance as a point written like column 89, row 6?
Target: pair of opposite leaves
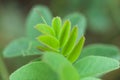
column 60, row 39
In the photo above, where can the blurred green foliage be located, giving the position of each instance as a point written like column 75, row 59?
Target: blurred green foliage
column 103, row 17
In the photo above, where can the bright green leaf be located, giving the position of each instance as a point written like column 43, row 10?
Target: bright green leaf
column 64, row 34
column 95, row 65
column 101, row 50
column 61, row 65
column 35, row 17
column 21, row 47
column 49, row 41
column 45, row 29
column 56, row 24
column 79, row 20
column 71, row 42
column 44, row 48
column 34, row 71
column 77, row 50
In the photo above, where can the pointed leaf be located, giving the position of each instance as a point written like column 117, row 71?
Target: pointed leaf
column 45, row 29
column 35, row 18
column 34, row 71
column 56, row 24
column 79, row 20
column 46, row 48
column 77, row 50
column 61, row 65
column 95, row 65
column 71, row 42
column 64, row 34
column 49, row 41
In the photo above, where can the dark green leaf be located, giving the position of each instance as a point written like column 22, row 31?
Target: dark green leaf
column 77, row 50
column 95, row 65
column 34, row 71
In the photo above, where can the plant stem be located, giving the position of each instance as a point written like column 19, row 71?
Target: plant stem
column 3, row 71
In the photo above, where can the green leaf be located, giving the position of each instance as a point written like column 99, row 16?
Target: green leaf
column 95, row 65
column 35, row 17
column 61, row 65
column 71, row 42
column 49, row 41
column 101, row 50
column 56, row 24
column 44, row 48
column 90, row 78
column 77, row 50
column 64, row 33
column 79, row 20
column 34, row 71
column 21, row 47
column 45, row 29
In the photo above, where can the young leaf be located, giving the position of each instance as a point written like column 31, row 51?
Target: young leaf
column 71, row 42
column 45, row 29
column 101, row 50
column 61, row 65
column 56, row 24
column 35, row 71
column 79, row 20
column 95, row 65
column 46, row 48
column 21, row 47
column 35, row 17
column 49, row 41
column 77, row 50
column 64, row 34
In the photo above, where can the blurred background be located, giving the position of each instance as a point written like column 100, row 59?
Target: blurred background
column 103, row 23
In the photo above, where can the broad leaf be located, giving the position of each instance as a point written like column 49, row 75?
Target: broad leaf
column 34, row 71
column 79, row 20
column 35, row 17
column 49, row 41
column 101, row 50
column 74, row 55
column 64, row 33
column 56, row 24
column 21, row 47
column 61, row 65
column 71, row 42
column 45, row 29
column 95, row 65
